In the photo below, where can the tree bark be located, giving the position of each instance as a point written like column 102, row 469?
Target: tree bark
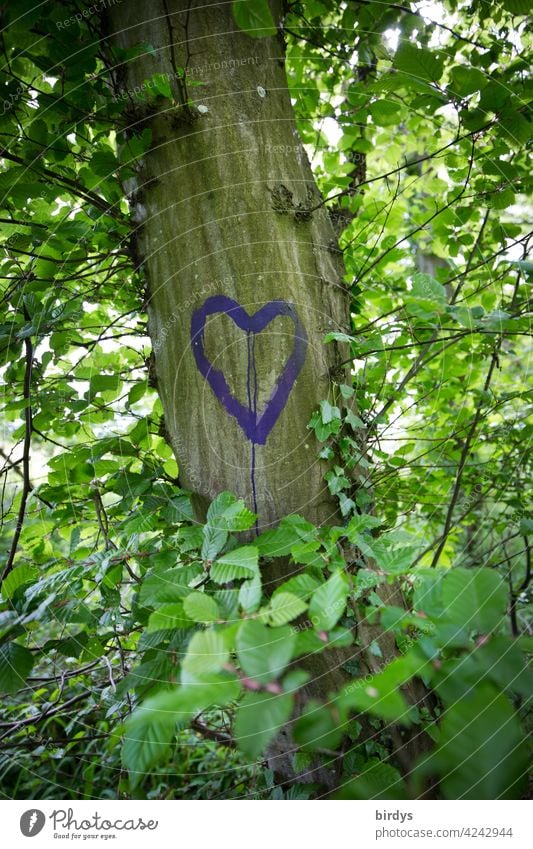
column 221, row 200
column 243, row 282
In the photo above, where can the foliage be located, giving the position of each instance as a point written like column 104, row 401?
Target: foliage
column 129, row 633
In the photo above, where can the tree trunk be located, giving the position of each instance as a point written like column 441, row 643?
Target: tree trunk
column 243, row 281
column 244, row 277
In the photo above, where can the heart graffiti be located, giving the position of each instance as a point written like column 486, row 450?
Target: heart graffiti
column 256, row 425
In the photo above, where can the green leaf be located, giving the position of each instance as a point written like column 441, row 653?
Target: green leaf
column 263, row 652
column 218, row 506
column 426, row 287
column 501, row 199
column 93, row 650
column 214, row 540
column 517, row 7
column 354, row 421
column 258, row 720
column 168, row 617
column 377, row 780
column 317, row 727
column 254, row 17
column 207, row 652
column 277, row 542
column 466, row 80
column 385, row 113
column 381, row 694
column 161, row 85
column 20, row 575
column 515, row 127
column 494, row 96
column 418, row 62
column 250, row 594
column 346, row 504
column 427, row 296
column 178, row 509
column 104, row 383
column 146, row 742
column 240, row 563
column 329, row 413
column 229, row 513
column 137, row 392
column 300, row 585
column 427, row 597
column 499, row 659
column 389, row 704
column 360, row 523
column 526, row 526
column 366, row 579
column 236, row 517
column 481, row 752
column 201, row 607
column 333, row 336
column 398, row 561
column 16, row 663
column 150, row 729
column 167, row 585
column 103, row 163
column 475, row 599
column 282, row 609
column 328, row 602
column 226, row 513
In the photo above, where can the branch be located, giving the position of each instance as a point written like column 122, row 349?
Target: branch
column 462, row 460
column 26, row 482
column 424, row 224
column 61, row 180
column 525, row 583
column 212, row 734
column 101, row 516
column 418, row 364
column 52, row 742
column 427, row 20
column 46, row 714
column 20, row 223
column 10, row 464
column 468, row 266
column 409, row 164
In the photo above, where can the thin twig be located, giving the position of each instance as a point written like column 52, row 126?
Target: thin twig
column 212, row 734
column 463, row 459
column 26, row 482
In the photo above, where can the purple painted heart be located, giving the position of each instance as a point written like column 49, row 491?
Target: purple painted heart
column 256, row 425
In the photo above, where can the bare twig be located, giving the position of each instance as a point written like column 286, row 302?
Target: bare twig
column 26, row 482
column 212, row 734
column 463, row 458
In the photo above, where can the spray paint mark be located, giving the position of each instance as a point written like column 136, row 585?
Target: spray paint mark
column 255, row 425
column 251, row 378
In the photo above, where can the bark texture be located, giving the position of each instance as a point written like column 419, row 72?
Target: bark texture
column 221, row 204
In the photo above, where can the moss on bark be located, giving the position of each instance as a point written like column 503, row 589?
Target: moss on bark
column 221, row 202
